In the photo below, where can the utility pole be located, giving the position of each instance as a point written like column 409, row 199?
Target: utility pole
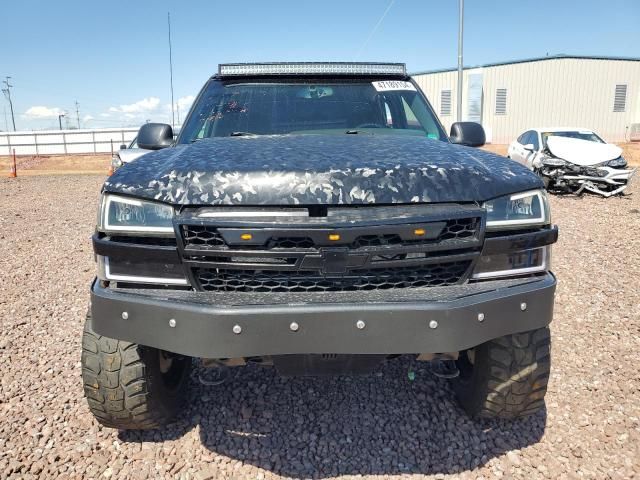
column 173, row 120
column 60, row 120
column 78, row 113
column 460, row 32
column 7, row 93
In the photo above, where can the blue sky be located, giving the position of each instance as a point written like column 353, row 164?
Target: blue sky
column 112, row 56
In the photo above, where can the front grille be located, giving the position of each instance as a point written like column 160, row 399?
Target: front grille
column 381, row 248
column 432, row 275
column 201, row 237
column 290, row 242
column 207, row 237
column 595, row 172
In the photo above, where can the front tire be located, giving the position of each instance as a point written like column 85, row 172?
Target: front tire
column 506, row 377
column 131, row 386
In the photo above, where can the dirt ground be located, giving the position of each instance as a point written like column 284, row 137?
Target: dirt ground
column 54, row 164
column 99, row 164
column 262, row 426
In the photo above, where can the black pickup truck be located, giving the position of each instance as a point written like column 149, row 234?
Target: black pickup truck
column 317, row 218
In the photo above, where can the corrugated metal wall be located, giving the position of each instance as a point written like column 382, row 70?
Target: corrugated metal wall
column 555, row 92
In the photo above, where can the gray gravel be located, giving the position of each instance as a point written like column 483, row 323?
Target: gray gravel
column 262, row 426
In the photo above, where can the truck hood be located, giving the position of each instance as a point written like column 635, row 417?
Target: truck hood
column 582, row 152
column 320, row 169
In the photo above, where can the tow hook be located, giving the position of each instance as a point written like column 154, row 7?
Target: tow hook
column 444, row 368
column 212, row 372
column 210, row 377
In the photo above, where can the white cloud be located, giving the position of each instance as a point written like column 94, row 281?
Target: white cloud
column 141, row 106
column 185, row 102
column 105, row 115
column 86, row 118
column 182, row 105
column 40, row 111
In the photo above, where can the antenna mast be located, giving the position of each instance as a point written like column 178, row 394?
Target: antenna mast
column 171, row 73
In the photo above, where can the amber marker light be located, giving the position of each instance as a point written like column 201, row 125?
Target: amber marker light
column 419, row 232
column 334, row 237
column 246, row 236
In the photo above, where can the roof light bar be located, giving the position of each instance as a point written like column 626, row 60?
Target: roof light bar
column 312, row 68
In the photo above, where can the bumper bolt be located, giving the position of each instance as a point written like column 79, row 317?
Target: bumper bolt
column 523, row 306
column 360, row 324
column 294, row 327
column 172, row 323
column 125, row 315
column 237, row 329
column 433, row 324
column 481, row 317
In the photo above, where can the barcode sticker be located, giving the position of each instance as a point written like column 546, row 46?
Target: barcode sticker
column 390, row 85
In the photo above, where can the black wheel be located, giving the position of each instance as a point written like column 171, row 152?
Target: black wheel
column 130, row 386
column 505, row 377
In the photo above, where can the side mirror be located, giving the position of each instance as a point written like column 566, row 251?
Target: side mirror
column 154, row 136
column 529, row 146
column 123, row 146
column 470, row 134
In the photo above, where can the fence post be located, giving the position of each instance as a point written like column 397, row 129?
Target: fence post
column 93, row 138
column 9, row 143
column 35, row 140
column 64, row 141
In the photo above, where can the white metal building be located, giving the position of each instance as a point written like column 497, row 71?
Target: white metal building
column 598, row 93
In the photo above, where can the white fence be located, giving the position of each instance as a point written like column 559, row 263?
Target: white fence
column 61, row 142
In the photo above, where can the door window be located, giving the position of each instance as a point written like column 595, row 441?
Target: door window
column 533, row 139
column 522, row 137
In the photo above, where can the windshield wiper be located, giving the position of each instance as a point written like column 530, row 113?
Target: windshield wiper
column 356, row 132
column 242, row 134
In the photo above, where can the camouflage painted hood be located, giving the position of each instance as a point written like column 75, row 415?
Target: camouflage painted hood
column 320, row 169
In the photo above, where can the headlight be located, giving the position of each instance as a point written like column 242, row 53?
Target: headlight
column 123, row 214
column 116, row 162
column 509, row 264
column 139, row 271
column 553, row 162
column 619, row 162
column 519, row 210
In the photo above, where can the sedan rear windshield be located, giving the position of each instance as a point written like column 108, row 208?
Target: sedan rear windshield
column 227, row 108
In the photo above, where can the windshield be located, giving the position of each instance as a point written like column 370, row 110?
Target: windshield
column 328, row 107
column 580, row 135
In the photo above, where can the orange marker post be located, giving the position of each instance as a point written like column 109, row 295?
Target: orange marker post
column 14, row 171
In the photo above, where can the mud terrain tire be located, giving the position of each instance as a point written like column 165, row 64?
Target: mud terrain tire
column 130, row 386
column 505, row 377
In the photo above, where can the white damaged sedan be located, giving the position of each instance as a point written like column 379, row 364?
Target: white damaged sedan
column 572, row 160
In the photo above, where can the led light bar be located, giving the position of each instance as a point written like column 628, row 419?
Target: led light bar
column 104, row 273
column 312, row 68
column 512, row 264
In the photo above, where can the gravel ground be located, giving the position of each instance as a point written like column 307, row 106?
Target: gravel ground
column 261, row 426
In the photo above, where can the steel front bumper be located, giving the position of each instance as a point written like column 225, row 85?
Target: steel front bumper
column 442, row 319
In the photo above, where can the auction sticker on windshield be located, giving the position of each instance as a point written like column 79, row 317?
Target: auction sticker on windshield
column 390, row 85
